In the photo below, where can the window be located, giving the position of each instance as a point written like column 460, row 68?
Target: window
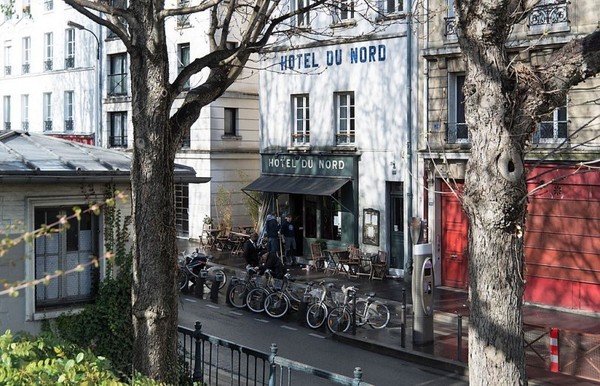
column 25, row 112
column 183, row 59
column 122, row 4
column 323, row 217
column 182, row 221
column 7, row 64
column 117, row 75
column 345, row 10
column 72, row 247
column 392, row 6
column 183, row 21
column 48, row 51
column 118, row 129
column 303, row 19
column 230, row 122
column 300, row 119
column 47, row 108
column 344, row 118
column 457, row 127
column 26, row 59
column 48, row 5
column 70, row 48
column 6, row 109
column 68, row 110
column 552, row 127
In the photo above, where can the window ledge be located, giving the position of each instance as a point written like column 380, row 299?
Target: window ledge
column 344, row 148
column 226, row 137
column 55, row 313
column 299, row 148
column 390, row 17
column 344, row 24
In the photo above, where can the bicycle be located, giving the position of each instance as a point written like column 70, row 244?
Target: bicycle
column 372, row 312
column 255, row 300
column 340, row 318
column 241, row 287
column 190, row 268
column 284, row 298
column 316, row 313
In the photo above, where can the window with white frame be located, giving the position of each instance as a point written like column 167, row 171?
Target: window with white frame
column 183, row 59
column 230, row 122
column 6, row 110
column 47, row 110
column 68, row 102
column 344, row 118
column 70, row 48
column 7, row 60
column 344, row 10
column 302, row 19
column 391, row 6
column 48, row 5
column 70, row 250
column 48, row 51
column 117, row 75
column 25, row 112
column 183, row 21
column 300, row 119
column 26, row 55
column 117, row 129
column 182, row 203
column 552, row 127
column 457, row 130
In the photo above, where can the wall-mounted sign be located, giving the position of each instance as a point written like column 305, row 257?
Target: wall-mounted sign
column 337, row 57
column 370, row 226
column 308, row 165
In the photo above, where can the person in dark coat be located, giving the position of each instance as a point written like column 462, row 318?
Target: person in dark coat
column 272, row 232
column 272, row 262
column 289, row 239
column 250, row 250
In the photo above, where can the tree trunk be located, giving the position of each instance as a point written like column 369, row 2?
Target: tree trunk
column 494, row 201
column 154, row 293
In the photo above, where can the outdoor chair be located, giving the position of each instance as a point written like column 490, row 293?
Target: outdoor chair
column 379, row 266
column 318, row 256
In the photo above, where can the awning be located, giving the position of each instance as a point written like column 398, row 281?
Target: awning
column 317, row 186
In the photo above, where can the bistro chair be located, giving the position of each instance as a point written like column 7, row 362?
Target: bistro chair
column 379, row 266
column 318, row 256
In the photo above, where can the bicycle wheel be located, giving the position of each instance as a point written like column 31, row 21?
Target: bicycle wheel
column 316, row 315
column 378, row 315
column 211, row 276
column 339, row 320
column 276, row 304
column 182, row 279
column 237, row 295
column 255, row 300
column 361, row 315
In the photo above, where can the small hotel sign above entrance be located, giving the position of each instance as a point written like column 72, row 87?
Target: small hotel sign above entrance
column 308, row 165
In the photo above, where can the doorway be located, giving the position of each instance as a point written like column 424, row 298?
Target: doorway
column 396, row 225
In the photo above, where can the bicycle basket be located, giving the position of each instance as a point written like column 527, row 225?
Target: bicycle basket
column 259, row 281
column 316, row 293
column 277, row 284
column 338, row 297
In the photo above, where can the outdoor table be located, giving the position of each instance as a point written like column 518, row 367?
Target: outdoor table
column 211, row 237
column 238, row 239
column 340, row 257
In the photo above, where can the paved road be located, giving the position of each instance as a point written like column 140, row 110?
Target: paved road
column 308, row 346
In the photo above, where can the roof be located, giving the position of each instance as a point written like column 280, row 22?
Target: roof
column 33, row 157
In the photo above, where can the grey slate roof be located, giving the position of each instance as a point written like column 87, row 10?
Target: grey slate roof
column 37, row 157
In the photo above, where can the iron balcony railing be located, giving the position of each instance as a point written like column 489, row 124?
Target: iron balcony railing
column 25, row 68
column 213, row 361
column 70, row 62
column 549, row 14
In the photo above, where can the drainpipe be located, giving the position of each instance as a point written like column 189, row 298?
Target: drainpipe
column 411, row 136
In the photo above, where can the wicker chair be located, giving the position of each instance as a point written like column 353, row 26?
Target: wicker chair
column 379, row 266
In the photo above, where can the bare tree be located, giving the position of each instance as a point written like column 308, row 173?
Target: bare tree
column 503, row 99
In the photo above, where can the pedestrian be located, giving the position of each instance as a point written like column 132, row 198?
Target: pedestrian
column 272, row 262
column 272, row 232
column 289, row 239
column 250, row 251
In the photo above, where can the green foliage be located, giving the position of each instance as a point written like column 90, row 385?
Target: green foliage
column 26, row 360
column 224, row 209
column 106, row 325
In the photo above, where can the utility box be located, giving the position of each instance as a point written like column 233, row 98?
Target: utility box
column 423, row 284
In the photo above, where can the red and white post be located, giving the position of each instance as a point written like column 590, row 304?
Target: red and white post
column 554, row 350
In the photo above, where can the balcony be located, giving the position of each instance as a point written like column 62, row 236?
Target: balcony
column 549, row 18
column 48, row 5
column 345, row 138
column 69, row 125
column 7, row 70
column 70, row 62
column 47, row 125
column 117, row 85
column 458, row 133
column 117, row 141
column 300, row 139
column 48, row 65
column 25, row 68
column 6, row 125
column 183, row 21
column 451, row 29
column 25, row 125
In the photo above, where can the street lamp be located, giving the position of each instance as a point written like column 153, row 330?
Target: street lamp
column 98, row 134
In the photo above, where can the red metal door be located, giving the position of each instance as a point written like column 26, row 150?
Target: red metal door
column 454, row 241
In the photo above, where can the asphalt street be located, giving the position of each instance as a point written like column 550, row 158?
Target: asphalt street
column 299, row 343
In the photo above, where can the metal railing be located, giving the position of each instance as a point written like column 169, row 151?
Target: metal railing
column 215, row 361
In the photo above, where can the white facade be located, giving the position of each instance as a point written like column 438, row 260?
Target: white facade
column 374, row 61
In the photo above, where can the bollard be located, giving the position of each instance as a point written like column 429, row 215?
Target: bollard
column 358, row 374
column 214, row 288
column 302, row 308
column 232, row 283
column 459, row 342
column 199, row 285
column 273, row 366
column 199, row 354
column 403, row 323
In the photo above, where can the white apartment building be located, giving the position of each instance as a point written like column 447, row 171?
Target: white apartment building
column 65, row 76
column 338, row 119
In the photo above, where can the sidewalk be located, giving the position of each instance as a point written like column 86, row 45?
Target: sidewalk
column 450, row 306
